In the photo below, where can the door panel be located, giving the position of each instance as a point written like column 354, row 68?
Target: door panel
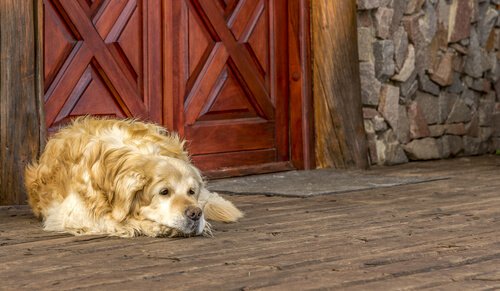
column 102, row 58
column 234, row 80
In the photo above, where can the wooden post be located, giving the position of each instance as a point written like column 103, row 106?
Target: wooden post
column 20, row 95
column 340, row 135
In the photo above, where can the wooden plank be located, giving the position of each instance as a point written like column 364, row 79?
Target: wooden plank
column 20, row 87
column 340, row 135
column 440, row 234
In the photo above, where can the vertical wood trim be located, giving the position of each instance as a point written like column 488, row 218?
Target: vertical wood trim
column 19, row 111
column 301, row 110
column 339, row 129
column 39, row 76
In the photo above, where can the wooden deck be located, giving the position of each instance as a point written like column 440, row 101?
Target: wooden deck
column 442, row 235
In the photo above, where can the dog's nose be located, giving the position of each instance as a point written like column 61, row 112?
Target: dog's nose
column 193, row 212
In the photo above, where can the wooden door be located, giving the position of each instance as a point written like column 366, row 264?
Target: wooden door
column 231, row 58
column 228, row 75
column 102, row 58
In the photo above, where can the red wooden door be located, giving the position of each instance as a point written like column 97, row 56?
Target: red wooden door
column 102, row 58
column 216, row 71
column 231, row 58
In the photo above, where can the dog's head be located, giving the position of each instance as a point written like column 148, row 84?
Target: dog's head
column 163, row 190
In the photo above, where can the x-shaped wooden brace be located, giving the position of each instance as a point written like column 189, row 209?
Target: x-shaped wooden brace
column 92, row 47
column 229, row 45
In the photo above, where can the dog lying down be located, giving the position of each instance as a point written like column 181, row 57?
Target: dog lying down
column 122, row 178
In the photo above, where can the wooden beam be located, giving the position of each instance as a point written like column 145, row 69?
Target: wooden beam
column 340, row 135
column 20, row 90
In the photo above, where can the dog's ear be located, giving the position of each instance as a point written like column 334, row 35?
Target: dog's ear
column 128, row 186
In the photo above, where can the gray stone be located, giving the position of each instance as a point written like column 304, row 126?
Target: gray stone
column 470, row 98
column 402, row 128
column 371, row 138
column 365, row 44
column 455, row 129
column 394, row 113
column 411, row 25
column 437, row 130
column 428, row 23
column 443, row 8
column 457, row 86
column 481, row 85
column 486, row 110
column 383, row 21
column 474, row 60
column 453, row 143
column 379, row 124
column 389, row 151
column 369, row 113
column 460, row 112
column 496, row 125
column 426, row 85
column 418, row 123
column 494, row 73
column 409, row 88
column 472, row 145
column 486, row 24
column 459, row 48
column 445, row 148
column 446, row 101
column 429, row 106
column 443, row 74
column 368, row 4
column 400, row 39
column 364, row 18
column 389, row 104
column 399, row 7
column 485, row 134
column 497, row 90
column 423, row 149
column 384, row 59
column 413, row 6
column 496, row 143
column 459, row 20
column 370, row 86
column 408, row 66
column 472, row 128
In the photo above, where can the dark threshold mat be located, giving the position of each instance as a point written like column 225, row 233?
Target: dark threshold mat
column 310, row 183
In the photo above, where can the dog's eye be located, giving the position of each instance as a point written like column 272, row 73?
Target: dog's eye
column 191, row 192
column 164, row 192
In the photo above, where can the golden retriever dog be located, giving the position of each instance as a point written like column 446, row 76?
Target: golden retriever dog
column 122, row 178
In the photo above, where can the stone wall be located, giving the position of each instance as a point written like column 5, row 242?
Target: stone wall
column 430, row 77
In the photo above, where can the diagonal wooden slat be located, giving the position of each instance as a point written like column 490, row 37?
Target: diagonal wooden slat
column 241, row 58
column 129, row 100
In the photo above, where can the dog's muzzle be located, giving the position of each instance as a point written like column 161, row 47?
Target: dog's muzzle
column 194, row 213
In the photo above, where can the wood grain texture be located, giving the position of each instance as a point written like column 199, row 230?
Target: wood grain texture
column 103, row 58
column 20, row 132
column 301, row 102
column 442, row 235
column 231, row 72
column 340, row 135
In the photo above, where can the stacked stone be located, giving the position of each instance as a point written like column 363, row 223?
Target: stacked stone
column 430, row 78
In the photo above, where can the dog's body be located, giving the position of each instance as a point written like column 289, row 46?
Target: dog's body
column 123, row 178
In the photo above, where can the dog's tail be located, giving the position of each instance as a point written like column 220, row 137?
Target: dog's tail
column 217, row 208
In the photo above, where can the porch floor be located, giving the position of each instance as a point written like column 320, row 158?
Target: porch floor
column 441, row 234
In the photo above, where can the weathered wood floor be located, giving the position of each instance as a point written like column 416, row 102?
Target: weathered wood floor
column 442, row 235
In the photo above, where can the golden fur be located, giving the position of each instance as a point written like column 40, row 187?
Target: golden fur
column 123, row 178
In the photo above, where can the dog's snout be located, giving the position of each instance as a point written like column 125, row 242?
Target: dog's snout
column 193, row 212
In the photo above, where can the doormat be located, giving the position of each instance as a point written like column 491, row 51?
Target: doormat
column 311, row 183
